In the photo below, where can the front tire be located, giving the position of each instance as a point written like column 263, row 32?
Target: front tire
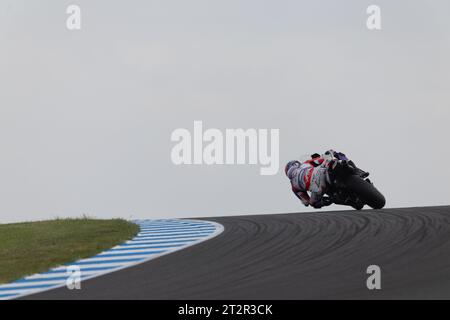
column 366, row 191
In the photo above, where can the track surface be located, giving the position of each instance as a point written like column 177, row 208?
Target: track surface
column 296, row 256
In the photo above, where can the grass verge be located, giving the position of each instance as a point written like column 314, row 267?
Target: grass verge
column 33, row 247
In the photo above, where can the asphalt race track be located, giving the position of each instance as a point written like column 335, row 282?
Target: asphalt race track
column 321, row 255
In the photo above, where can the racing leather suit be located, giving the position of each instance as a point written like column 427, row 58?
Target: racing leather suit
column 312, row 176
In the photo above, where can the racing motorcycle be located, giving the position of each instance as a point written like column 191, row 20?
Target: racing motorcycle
column 350, row 185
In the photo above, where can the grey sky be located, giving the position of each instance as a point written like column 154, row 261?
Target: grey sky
column 86, row 116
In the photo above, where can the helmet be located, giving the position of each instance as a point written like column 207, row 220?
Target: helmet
column 291, row 164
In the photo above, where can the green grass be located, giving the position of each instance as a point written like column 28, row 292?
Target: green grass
column 33, row 247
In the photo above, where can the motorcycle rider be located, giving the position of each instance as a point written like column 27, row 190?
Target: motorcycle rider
column 313, row 176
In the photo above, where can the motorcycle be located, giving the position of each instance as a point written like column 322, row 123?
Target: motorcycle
column 350, row 186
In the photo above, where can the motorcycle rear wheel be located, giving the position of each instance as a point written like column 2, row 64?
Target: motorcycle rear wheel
column 366, row 192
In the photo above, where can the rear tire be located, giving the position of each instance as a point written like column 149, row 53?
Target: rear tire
column 366, row 192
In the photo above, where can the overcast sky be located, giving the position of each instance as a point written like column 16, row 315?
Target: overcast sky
column 86, row 116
